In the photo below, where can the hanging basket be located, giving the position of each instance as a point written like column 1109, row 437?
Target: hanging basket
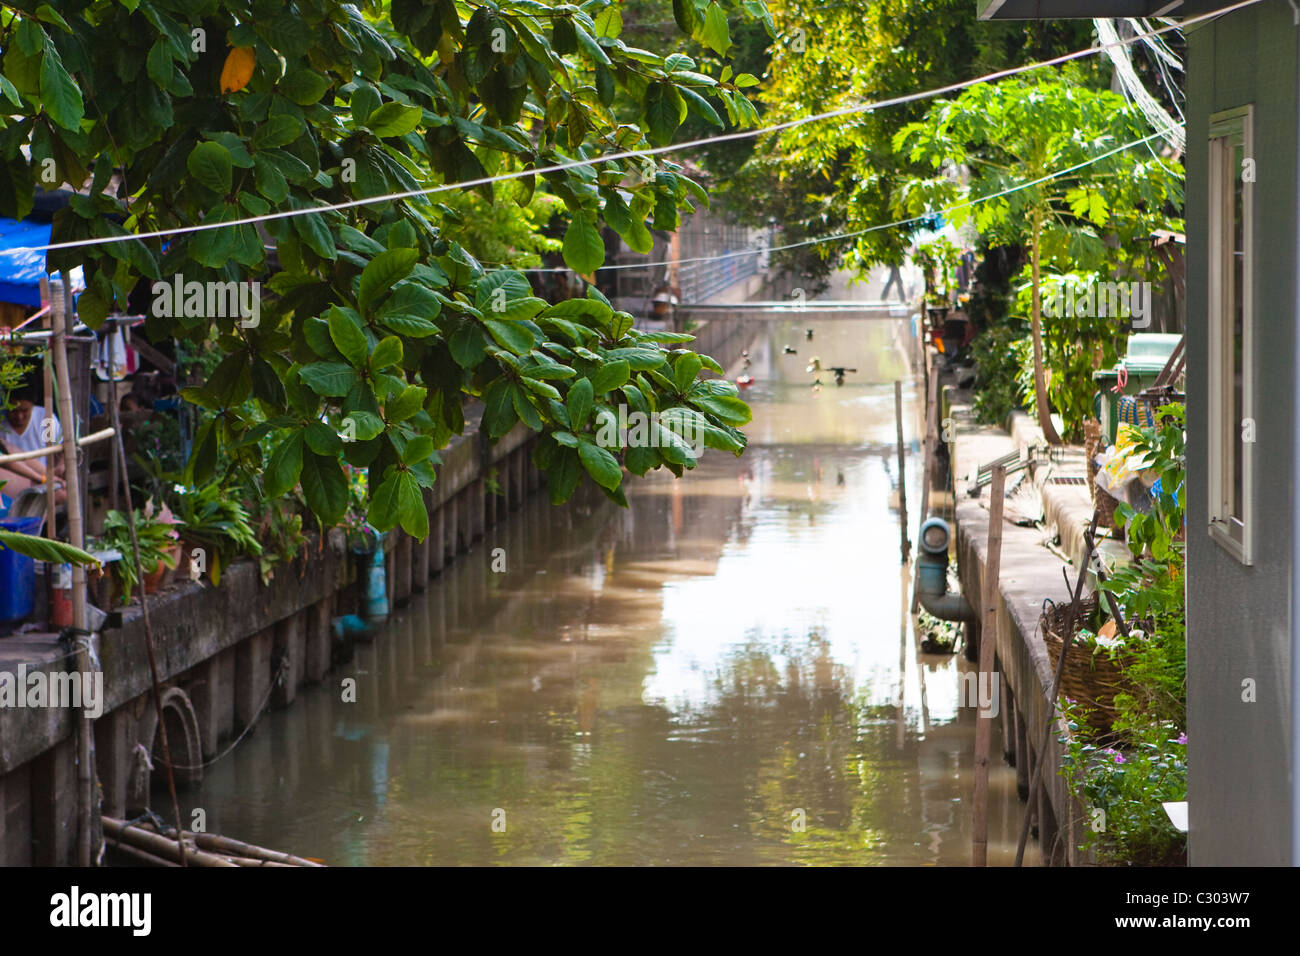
column 1103, row 501
column 1106, row 504
column 1091, row 679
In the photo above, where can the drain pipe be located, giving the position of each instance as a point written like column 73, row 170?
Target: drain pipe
column 932, row 575
column 377, row 584
column 372, row 579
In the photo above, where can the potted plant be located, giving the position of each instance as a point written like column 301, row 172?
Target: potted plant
column 279, row 526
column 158, row 540
column 212, row 519
column 938, row 261
column 163, row 516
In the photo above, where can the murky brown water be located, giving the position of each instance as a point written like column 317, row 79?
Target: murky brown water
column 683, row 682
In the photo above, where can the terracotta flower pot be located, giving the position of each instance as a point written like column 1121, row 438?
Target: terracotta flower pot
column 177, row 554
column 153, row 580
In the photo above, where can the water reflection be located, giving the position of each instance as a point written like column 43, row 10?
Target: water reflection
column 719, row 674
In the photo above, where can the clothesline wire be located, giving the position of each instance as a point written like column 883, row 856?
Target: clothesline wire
column 888, row 225
column 639, row 153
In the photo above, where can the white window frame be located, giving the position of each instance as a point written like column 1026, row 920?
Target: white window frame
column 1232, row 532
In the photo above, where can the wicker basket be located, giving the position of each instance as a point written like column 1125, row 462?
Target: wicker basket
column 1104, row 502
column 1090, row 680
column 1091, row 448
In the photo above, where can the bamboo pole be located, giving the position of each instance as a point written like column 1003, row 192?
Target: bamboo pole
column 248, row 861
column 144, row 602
column 139, row 855
column 53, row 451
column 224, row 844
column 77, row 538
column 51, row 516
column 904, row 544
column 164, row 847
column 988, row 660
column 227, row 846
column 1067, row 639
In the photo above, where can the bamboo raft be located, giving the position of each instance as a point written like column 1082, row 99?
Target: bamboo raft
column 147, row 844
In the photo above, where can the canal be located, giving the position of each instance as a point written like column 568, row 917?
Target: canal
column 722, row 673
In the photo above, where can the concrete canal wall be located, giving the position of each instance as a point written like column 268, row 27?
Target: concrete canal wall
column 1030, row 572
column 227, row 654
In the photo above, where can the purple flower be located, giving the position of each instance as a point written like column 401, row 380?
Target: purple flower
column 1119, row 758
column 1182, row 738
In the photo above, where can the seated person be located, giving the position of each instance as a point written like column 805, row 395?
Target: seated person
column 22, row 428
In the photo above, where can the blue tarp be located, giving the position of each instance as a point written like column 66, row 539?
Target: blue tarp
column 21, row 272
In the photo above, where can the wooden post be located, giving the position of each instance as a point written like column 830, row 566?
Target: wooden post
column 988, row 641
column 60, row 309
column 904, row 619
column 124, row 473
column 1090, row 542
column 931, row 443
column 902, row 475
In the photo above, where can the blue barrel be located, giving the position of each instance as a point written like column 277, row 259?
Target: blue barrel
column 17, row 573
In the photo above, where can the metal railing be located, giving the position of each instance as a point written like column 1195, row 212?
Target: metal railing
column 700, row 281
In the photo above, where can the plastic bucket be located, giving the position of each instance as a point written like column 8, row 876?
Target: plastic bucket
column 17, row 573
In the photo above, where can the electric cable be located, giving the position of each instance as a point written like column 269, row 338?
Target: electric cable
column 635, row 153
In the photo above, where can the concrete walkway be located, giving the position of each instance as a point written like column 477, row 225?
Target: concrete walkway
column 1031, row 571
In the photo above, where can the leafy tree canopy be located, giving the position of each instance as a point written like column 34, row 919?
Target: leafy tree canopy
column 379, row 322
column 1096, row 218
column 841, row 175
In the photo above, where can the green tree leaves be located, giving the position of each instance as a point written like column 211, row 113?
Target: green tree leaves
column 304, row 87
column 716, row 33
column 664, row 111
column 347, row 336
column 44, row 549
column 210, row 164
column 59, row 92
column 328, row 379
column 398, row 499
column 380, row 322
column 579, row 403
column 285, row 466
column 1095, row 218
column 610, row 376
column 601, row 465
column 394, row 119
column 584, row 249
column 382, row 273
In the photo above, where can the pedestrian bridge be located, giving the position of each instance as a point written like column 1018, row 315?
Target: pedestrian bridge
column 816, row 310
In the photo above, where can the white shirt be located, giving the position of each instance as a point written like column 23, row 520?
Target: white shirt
column 32, row 438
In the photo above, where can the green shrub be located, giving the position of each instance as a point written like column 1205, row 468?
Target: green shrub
column 1124, row 788
column 997, row 389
